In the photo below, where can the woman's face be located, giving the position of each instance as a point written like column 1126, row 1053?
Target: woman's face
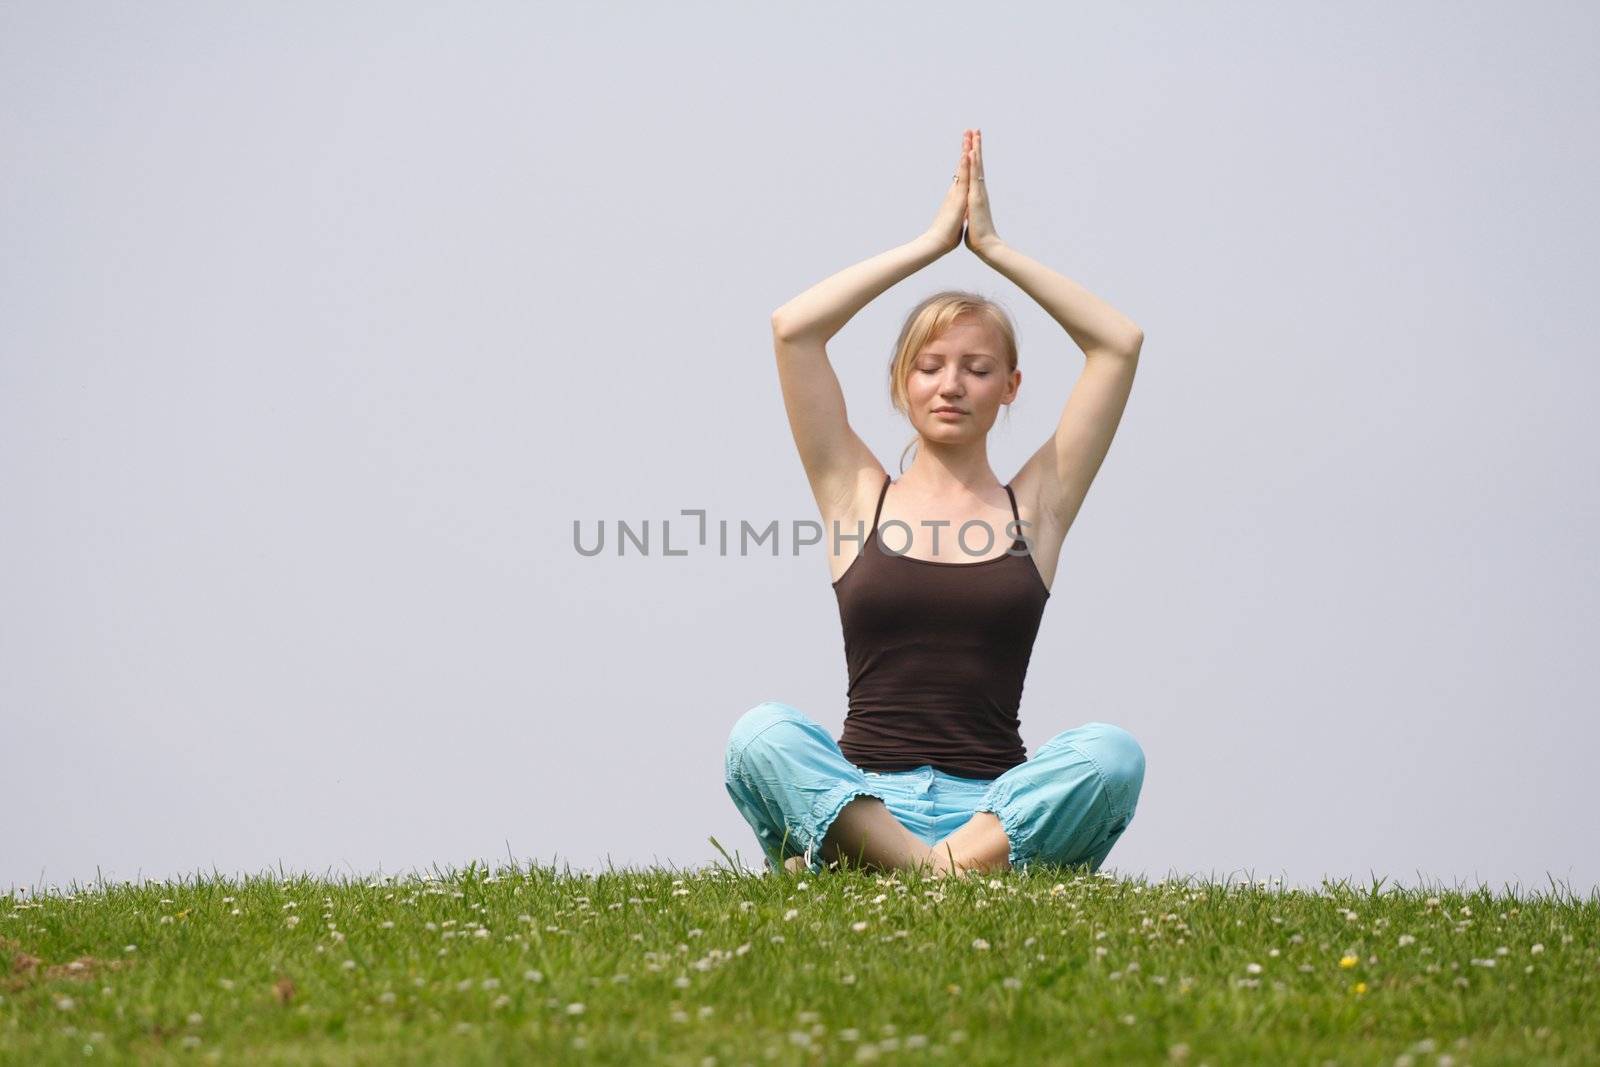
column 958, row 383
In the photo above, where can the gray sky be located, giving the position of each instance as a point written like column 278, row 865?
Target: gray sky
column 320, row 326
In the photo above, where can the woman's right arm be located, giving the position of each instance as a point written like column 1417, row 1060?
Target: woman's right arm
column 834, row 457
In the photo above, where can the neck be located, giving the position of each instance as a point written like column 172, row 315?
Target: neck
column 942, row 468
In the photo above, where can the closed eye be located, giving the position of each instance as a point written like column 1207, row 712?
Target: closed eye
column 935, row 370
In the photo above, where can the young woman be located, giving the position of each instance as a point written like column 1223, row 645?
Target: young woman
column 930, row 770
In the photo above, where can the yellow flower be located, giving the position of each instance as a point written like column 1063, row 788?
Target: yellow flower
column 1359, row 988
column 1348, row 962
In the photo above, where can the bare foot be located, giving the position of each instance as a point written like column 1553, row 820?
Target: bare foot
column 980, row 845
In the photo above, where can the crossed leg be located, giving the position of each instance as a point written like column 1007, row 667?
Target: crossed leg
column 981, row 844
column 866, row 834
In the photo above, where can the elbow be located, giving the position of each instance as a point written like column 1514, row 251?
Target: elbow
column 784, row 327
column 1125, row 347
column 791, row 325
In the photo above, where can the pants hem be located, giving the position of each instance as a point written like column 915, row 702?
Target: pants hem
column 823, row 817
column 1011, row 822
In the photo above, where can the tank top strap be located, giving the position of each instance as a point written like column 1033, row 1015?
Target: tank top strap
column 881, row 494
column 1015, row 514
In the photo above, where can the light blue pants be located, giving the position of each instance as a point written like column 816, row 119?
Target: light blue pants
column 1065, row 806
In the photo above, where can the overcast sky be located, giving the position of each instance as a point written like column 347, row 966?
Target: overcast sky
column 320, row 325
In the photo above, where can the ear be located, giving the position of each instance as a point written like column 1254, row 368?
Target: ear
column 1011, row 390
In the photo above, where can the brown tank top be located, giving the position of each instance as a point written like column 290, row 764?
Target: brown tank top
column 937, row 653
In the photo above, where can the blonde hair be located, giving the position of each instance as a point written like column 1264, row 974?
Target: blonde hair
column 926, row 323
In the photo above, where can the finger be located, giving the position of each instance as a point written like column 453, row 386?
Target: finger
column 977, row 154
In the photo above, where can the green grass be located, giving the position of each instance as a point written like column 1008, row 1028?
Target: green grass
column 717, row 966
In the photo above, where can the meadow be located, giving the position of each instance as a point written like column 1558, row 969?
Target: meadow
column 725, row 966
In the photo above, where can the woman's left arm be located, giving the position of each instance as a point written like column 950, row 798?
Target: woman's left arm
column 1059, row 474
column 1096, row 326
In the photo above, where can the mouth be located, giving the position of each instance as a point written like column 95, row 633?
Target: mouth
column 948, row 411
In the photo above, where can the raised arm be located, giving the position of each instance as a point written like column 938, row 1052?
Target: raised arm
column 1058, row 475
column 834, row 457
